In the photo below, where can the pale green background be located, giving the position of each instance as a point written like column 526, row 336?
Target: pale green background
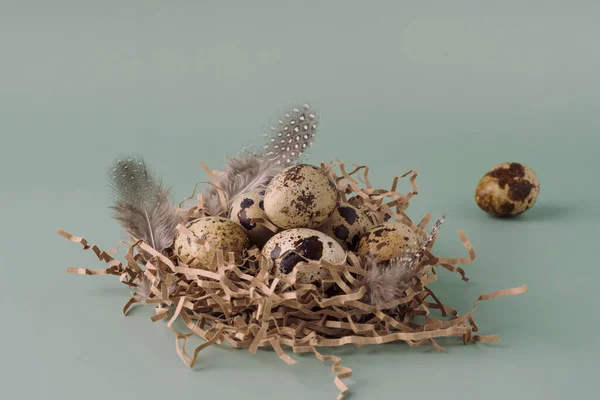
column 478, row 82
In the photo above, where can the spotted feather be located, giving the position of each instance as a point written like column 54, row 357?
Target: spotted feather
column 292, row 136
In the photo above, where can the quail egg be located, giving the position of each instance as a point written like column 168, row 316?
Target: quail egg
column 346, row 225
column 290, row 247
column 246, row 207
column 386, row 241
column 507, row 190
column 219, row 233
column 300, row 196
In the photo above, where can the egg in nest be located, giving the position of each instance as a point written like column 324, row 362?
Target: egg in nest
column 290, row 247
column 388, row 240
column 300, row 196
column 219, row 233
column 246, row 207
column 346, row 225
column 507, row 190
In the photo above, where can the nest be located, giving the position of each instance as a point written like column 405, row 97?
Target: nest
column 245, row 305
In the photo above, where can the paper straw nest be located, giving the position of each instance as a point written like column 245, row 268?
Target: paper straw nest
column 245, row 305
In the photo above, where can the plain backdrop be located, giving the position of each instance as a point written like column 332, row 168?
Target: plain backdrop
column 449, row 88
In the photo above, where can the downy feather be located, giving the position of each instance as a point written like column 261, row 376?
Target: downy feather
column 242, row 174
column 285, row 145
column 141, row 203
column 387, row 281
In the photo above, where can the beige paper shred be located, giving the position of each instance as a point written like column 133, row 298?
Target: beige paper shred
column 246, row 306
column 213, row 176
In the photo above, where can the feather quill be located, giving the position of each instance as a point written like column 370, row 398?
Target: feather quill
column 285, row 145
column 416, row 257
column 141, row 203
column 387, row 281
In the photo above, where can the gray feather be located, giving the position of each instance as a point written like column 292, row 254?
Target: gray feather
column 242, row 174
column 388, row 281
column 141, row 204
column 286, row 144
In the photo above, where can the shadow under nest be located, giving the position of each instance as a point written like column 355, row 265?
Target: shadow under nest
column 244, row 304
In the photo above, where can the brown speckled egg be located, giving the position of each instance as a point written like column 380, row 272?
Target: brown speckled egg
column 219, row 233
column 300, row 196
column 290, row 247
column 346, row 225
column 507, row 190
column 387, row 241
column 246, row 207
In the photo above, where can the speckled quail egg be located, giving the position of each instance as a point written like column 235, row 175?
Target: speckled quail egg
column 346, row 225
column 290, row 247
column 219, row 233
column 246, row 207
column 387, row 241
column 507, row 190
column 300, row 196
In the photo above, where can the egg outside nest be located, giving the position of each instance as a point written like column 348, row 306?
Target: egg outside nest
column 507, row 190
